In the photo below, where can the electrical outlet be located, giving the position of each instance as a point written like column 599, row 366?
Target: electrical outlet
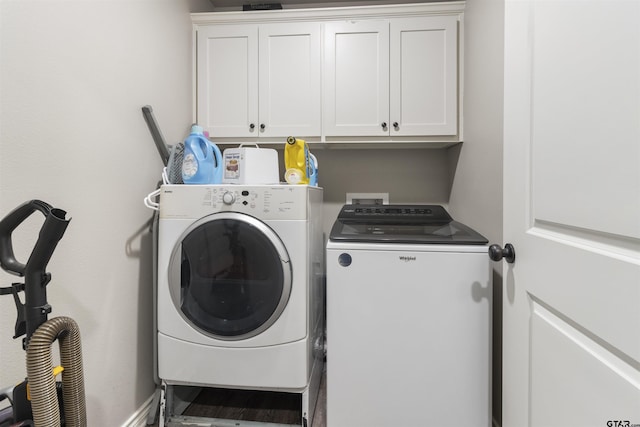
column 367, row 198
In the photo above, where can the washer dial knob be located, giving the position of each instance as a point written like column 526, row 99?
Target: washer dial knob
column 228, row 198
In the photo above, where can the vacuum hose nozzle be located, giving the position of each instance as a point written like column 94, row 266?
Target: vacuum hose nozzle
column 35, row 309
column 51, row 232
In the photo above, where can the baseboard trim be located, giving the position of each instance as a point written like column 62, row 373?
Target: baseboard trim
column 139, row 418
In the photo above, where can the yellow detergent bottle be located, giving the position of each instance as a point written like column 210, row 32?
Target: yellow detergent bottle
column 296, row 161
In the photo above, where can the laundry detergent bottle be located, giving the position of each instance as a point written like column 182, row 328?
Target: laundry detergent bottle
column 199, row 164
column 218, row 168
column 313, row 166
column 296, row 161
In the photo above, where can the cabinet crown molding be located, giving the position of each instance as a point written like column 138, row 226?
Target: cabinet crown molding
column 329, row 13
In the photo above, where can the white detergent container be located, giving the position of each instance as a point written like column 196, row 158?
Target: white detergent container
column 250, row 165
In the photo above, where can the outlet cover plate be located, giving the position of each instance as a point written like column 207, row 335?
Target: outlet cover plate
column 367, row 198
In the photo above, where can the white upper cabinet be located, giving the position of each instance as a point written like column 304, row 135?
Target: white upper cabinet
column 289, row 66
column 338, row 75
column 396, row 77
column 356, row 72
column 423, row 89
column 227, row 80
column 259, row 80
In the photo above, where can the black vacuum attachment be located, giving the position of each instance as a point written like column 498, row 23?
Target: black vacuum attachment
column 33, row 312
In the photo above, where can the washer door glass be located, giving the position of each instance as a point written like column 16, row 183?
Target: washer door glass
column 230, row 276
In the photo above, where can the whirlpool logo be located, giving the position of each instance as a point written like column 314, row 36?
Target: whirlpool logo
column 406, row 258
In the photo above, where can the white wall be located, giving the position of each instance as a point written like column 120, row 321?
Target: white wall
column 476, row 194
column 408, row 175
column 476, row 165
column 73, row 77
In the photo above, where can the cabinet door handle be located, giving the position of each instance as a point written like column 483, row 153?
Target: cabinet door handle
column 395, row 125
column 384, row 125
column 252, row 126
column 262, row 126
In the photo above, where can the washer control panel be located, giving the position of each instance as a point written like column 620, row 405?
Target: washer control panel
column 266, row 201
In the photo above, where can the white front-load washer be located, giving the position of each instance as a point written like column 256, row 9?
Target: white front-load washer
column 240, row 286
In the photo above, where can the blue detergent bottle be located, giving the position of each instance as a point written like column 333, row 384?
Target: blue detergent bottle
column 199, row 162
column 217, row 168
column 313, row 167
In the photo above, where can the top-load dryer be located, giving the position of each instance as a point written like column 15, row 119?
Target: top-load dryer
column 240, row 286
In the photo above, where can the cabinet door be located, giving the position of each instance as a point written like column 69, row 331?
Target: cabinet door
column 423, row 76
column 227, row 80
column 356, row 72
column 289, row 64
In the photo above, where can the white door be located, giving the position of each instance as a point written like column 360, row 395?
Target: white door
column 290, row 88
column 356, row 78
column 227, row 80
column 572, row 211
column 423, row 91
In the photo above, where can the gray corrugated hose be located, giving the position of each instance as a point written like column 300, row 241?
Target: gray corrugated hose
column 42, row 384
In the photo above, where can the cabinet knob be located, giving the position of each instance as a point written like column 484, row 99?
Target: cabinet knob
column 384, row 125
column 252, row 126
column 395, row 125
column 262, row 126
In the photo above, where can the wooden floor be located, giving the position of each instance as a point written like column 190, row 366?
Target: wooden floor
column 246, row 405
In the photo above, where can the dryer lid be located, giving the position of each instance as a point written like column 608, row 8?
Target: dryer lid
column 423, row 224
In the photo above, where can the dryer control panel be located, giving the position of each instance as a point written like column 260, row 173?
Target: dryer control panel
column 284, row 201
